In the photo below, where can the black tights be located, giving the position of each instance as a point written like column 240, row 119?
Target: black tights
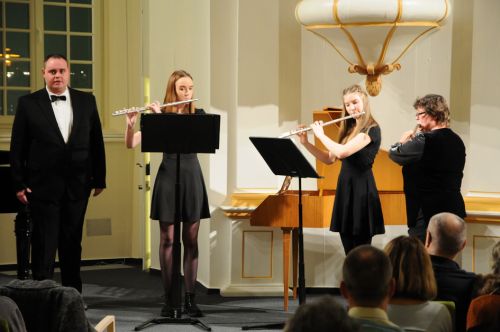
column 350, row 241
column 190, row 261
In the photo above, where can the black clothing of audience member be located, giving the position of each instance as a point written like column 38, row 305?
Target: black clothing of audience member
column 454, row 284
column 446, row 238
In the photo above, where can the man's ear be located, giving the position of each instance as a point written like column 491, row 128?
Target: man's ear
column 463, row 245
column 428, row 239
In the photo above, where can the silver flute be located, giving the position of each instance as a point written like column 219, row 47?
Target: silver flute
column 301, row 130
column 143, row 109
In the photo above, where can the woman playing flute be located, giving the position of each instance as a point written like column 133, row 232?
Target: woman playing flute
column 357, row 213
column 193, row 195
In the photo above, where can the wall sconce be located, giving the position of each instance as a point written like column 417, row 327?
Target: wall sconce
column 372, row 35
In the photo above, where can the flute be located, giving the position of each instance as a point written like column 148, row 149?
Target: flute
column 301, row 130
column 143, row 109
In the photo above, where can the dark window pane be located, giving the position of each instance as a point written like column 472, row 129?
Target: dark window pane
column 55, row 44
column 89, row 2
column 81, row 48
column 80, row 19
column 54, row 18
column 19, row 44
column 55, row 1
column 81, row 76
column 1, row 21
column 18, row 73
column 12, row 98
column 17, row 15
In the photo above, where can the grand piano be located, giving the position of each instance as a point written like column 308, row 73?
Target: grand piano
column 281, row 210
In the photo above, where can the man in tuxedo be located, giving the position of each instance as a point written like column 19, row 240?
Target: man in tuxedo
column 57, row 158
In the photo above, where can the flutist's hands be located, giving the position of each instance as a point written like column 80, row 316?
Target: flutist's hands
column 131, row 119
column 303, row 135
column 407, row 135
column 317, row 128
column 155, row 107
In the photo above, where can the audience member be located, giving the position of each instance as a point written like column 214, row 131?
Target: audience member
column 10, row 314
column 322, row 315
column 495, row 257
column 445, row 240
column 368, row 285
column 484, row 310
column 411, row 307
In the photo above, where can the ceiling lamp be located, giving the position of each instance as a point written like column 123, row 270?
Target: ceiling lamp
column 372, row 35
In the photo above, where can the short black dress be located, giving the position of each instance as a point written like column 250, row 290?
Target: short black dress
column 193, row 194
column 357, row 209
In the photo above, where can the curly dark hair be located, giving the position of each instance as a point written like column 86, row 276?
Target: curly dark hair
column 435, row 106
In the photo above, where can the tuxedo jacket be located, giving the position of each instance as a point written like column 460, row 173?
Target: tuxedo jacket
column 43, row 162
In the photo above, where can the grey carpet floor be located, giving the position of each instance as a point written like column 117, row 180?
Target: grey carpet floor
column 134, row 296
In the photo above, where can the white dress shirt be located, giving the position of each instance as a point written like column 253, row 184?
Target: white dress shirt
column 63, row 113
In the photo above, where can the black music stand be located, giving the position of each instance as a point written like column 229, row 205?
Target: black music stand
column 178, row 133
column 284, row 158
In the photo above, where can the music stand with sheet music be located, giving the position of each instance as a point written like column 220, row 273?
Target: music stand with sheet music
column 284, row 158
column 178, row 133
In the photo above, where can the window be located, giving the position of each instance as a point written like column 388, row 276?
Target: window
column 67, row 30
column 16, row 53
column 66, row 26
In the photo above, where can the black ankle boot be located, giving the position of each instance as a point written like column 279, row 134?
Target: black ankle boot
column 167, row 310
column 190, row 307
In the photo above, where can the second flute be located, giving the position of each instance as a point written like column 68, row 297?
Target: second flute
column 143, row 109
column 298, row 131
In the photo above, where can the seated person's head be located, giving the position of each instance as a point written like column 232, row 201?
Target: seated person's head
column 367, row 277
column 495, row 256
column 445, row 235
column 412, row 269
column 488, row 285
column 322, row 315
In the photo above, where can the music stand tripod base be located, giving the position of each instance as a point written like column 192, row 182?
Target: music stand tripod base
column 166, row 320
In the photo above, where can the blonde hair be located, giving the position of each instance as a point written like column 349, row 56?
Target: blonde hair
column 412, row 269
column 171, row 94
column 350, row 128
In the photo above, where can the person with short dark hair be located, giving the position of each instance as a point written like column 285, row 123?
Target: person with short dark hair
column 433, row 160
column 368, row 285
column 57, row 158
column 446, row 237
column 321, row 315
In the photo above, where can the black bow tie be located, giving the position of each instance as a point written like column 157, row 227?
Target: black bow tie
column 53, row 98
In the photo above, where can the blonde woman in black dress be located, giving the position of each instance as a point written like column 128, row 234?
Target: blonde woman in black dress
column 193, row 195
column 357, row 213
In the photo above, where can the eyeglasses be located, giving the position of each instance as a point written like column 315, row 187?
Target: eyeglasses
column 419, row 114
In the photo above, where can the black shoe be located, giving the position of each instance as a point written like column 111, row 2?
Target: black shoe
column 190, row 307
column 167, row 311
